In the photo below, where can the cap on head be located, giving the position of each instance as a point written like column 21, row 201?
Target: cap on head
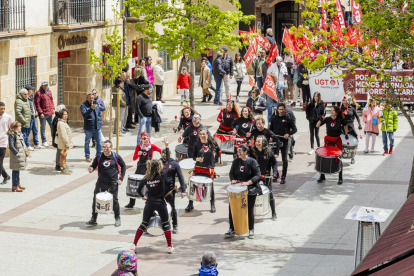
column 224, row 50
column 29, row 87
column 45, row 82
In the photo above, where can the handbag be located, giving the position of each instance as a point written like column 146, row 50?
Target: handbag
column 374, row 121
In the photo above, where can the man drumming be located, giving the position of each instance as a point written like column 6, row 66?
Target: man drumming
column 191, row 132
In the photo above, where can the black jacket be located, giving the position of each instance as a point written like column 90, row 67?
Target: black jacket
column 203, row 150
column 315, row 112
column 156, row 119
column 218, row 70
column 155, row 187
column 228, row 65
column 266, row 164
column 282, row 125
column 170, row 171
column 244, row 171
column 259, row 102
column 271, row 40
column 243, row 126
column 191, row 133
column 301, row 72
column 144, row 105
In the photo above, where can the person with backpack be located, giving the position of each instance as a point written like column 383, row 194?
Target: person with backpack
column 111, row 172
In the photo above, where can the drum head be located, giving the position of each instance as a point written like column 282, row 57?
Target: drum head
column 187, row 164
column 201, row 179
column 104, row 196
column 329, row 152
column 181, row 148
column 265, row 189
column 236, row 188
column 136, row 176
column 352, row 140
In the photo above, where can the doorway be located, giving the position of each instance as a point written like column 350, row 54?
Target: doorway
column 286, row 16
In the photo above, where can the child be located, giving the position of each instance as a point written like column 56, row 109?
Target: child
column 17, row 154
column 183, row 83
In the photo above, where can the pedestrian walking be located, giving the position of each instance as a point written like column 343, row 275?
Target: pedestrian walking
column 257, row 64
column 23, row 114
column 59, row 108
column 205, row 81
column 118, row 91
column 303, row 83
column 370, row 116
column 183, row 84
column 218, row 74
column 5, row 123
column 255, row 102
column 18, row 154
column 144, row 109
column 129, row 90
column 228, row 68
column 159, row 79
column 210, row 66
column 33, row 127
column 240, row 71
column 92, row 124
column 64, row 140
column 102, row 107
column 314, row 112
column 389, row 119
column 45, row 109
column 184, row 62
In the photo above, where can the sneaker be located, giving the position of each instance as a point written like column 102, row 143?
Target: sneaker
column 282, row 180
column 372, row 150
column 230, row 233
column 92, row 222
column 237, row 99
column 274, row 216
column 276, row 178
column 391, row 150
column 353, row 160
column 122, row 132
column 133, row 247
column 312, row 151
column 5, row 179
column 175, row 230
column 220, row 103
column 366, row 150
column 386, row 152
column 45, row 144
column 117, row 222
column 251, row 234
column 182, row 104
column 31, row 148
column 188, row 103
column 170, row 250
column 290, row 160
column 39, row 147
column 125, row 130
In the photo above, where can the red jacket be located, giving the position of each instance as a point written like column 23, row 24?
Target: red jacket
column 137, row 149
column 184, row 81
column 44, row 102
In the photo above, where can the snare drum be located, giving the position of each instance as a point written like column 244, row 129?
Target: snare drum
column 155, row 223
column 187, row 165
column 133, row 183
column 238, row 142
column 238, row 205
column 262, row 204
column 349, row 147
column 225, row 142
column 328, row 160
column 181, row 152
column 273, row 145
column 199, row 188
column 104, row 203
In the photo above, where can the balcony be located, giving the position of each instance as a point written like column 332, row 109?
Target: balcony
column 12, row 18
column 76, row 15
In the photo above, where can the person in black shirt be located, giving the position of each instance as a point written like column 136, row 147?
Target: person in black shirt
column 205, row 152
column 245, row 170
column 111, row 171
column 154, row 181
column 260, row 130
column 170, row 170
column 350, row 114
column 314, row 112
column 267, row 163
column 283, row 126
column 244, row 124
column 334, row 125
column 255, row 102
column 144, row 110
column 186, row 117
column 191, row 132
column 226, row 118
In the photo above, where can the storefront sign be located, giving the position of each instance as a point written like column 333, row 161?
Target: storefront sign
column 74, row 40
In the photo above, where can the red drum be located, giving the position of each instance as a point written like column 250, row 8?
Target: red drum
column 328, row 160
column 239, row 141
column 225, row 142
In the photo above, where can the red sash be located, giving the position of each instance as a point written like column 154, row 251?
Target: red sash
column 335, row 142
column 206, row 171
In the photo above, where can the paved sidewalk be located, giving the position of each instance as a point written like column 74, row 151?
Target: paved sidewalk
column 45, row 225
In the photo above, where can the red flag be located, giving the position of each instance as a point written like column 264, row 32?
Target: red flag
column 250, row 55
column 287, row 40
column 356, row 9
column 340, row 14
column 324, row 15
column 274, row 52
column 262, row 41
column 269, row 87
column 312, row 54
column 353, row 36
column 251, row 81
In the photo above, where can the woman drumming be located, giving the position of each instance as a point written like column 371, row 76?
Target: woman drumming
column 245, row 170
column 334, row 125
column 186, row 117
column 204, row 153
column 227, row 117
column 143, row 152
column 154, row 182
column 267, row 162
column 350, row 114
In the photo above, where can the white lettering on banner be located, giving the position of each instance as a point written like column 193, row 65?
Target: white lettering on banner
column 331, row 89
column 340, row 14
column 356, row 8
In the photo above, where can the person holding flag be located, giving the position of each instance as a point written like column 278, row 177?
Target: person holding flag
column 257, row 67
column 277, row 71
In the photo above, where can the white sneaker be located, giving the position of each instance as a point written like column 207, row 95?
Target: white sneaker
column 365, row 150
column 312, row 151
column 45, row 144
column 31, row 148
column 171, row 250
column 39, row 147
column 372, row 150
column 237, row 99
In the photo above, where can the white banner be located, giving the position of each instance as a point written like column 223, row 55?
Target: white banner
column 331, row 89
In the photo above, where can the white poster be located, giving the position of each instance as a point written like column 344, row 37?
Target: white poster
column 331, row 89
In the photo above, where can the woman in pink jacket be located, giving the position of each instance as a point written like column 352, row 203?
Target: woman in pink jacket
column 148, row 68
column 370, row 117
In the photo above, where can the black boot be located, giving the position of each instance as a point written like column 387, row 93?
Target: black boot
column 204, row 99
column 131, row 203
column 190, row 206
column 213, row 208
column 5, row 179
column 321, row 178
column 58, row 168
column 210, row 97
column 92, row 221
column 340, row 180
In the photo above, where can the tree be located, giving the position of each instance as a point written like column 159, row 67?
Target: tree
column 188, row 26
column 110, row 63
column 386, row 29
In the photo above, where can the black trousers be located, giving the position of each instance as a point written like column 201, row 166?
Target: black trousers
column 284, row 152
column 158, row 92
column 314, row 133
column 129, row 117
column 251, row 200
column 2, row 154
column 113, row 189
column 306, row 95
column 171, row 200
column 269, row 183
column 155, row 205
column 239, row 83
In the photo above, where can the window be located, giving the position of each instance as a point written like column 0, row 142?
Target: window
column 166, row 60
column 68, row 12
column 25, row 72
column 12, row 14
column 105, row 83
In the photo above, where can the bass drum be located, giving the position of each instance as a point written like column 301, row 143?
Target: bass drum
column 328, row 160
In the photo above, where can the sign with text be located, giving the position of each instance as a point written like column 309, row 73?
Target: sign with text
column 331, row 89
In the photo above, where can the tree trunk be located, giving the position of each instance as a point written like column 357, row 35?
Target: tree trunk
column 192, row 70
column 110, row 117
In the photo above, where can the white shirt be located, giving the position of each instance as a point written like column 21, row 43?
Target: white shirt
column 274, row 69
column 5, row 123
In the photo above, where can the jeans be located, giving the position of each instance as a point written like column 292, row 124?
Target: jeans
column 15, row 178
column 314, row 133
column 259, row 82
column 384, row 139
column 270, row 110
column 33, row 127
column 26, row 133
column 144, row 122
column 96, row 133
column 219, row 81
column 43, row 121
column 2, row 153
column 213, row 88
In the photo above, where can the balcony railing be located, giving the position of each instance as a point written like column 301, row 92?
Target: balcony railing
column 78, row 12
column 12, row 16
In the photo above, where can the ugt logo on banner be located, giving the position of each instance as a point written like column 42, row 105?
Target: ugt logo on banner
column 269, row 87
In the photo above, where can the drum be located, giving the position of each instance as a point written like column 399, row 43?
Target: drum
column 181, row 152
column 187, row 165
column 273, row 145
column 262, row 204
column 349, row 147
column 225, row 143
column 199, row 188
column 239, row 141
column 155, row 223
column 328, row 160
column 238, row 204
column 133, row 183
column 103, row 203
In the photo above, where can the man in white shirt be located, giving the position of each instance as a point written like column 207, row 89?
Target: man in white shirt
column 5, row 122
column 278, row 70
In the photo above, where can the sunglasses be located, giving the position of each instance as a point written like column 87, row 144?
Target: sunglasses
column 106, row 148
column 195, row 118
column 163, row 153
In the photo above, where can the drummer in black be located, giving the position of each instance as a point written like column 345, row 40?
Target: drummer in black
column 268, row 166
column 191, row 132
column 260, row 130
column 186, row 117
column 226, row 118
column 244, row 124
column 245, row 170
column 282, row 126
column 154, row 181
column 350, row 114
column 171, row 170
column 334, row 125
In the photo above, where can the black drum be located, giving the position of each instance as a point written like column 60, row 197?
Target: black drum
column 181, row 152
column 133, row 183
column 328, row 160
column 273, row 145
